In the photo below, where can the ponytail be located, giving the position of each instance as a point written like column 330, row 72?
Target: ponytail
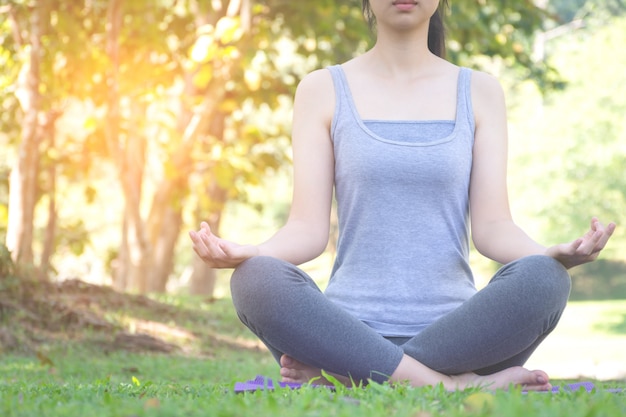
column 436, row 29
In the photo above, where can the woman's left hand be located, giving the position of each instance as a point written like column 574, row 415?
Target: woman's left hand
column 584, row 249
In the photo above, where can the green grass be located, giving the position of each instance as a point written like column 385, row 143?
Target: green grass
column 83, row 383
column 89, row 379
column 589, row 342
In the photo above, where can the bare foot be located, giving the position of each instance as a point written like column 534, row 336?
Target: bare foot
column 293, row 370
column 417, row 374
column 516, row 376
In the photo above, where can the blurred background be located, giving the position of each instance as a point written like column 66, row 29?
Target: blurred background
column 123, row 124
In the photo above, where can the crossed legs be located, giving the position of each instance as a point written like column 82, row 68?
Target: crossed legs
column 492, row 334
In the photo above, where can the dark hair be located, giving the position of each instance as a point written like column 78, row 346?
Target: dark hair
column 436, row 29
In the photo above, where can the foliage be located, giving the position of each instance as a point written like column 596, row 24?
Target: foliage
column 126, row 101
column 7, row 268
column 568, row 149
column 600, row 280
column 501, row 29
column 568, row 10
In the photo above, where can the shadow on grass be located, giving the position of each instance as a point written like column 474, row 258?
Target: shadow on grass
column 34, row 314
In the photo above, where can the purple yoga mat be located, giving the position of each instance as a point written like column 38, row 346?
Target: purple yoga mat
column 588, row 386
column 264, row 383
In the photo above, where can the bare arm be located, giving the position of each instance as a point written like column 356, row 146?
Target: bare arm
column 305, row 234
column 494, row 232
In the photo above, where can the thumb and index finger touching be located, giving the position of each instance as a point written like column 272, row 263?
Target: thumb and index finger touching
column 204, row 241
column 217, row 252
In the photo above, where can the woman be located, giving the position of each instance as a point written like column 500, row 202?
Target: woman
column 409, row 143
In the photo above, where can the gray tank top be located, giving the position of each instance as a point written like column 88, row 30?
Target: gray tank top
column 402, row 201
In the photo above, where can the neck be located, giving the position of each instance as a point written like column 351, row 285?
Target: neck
column 401, row 54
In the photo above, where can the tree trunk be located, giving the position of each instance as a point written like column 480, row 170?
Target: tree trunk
column 165, row 219
column 23, row 178
column 50, row 231
column 164, row 248
column 139, row 254
column 111, row 131
column 203, row 278
column 120, row 263
column 134, row 259
column 149, row 246
column 132, row 170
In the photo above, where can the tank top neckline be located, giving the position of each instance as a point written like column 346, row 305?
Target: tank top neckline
column 457, row 121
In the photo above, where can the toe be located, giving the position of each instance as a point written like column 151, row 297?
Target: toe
column 289, row 373
column 533, row 380
column 286, row 361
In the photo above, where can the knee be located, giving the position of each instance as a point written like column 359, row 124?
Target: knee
column 253, row 277
column 261, row 287
column 548, row 277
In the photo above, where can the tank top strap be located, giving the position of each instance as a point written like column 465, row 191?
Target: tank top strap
column 464, row 110
column 342, row 95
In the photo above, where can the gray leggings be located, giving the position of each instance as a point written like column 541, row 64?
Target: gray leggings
column 499, row 327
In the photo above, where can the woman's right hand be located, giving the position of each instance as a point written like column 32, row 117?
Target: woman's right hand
column 219, row 253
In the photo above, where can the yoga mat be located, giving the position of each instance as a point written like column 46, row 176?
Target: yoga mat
column 263, row 383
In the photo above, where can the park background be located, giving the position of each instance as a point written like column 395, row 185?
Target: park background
column 126, row 123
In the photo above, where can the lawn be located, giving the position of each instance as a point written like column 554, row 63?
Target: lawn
column 589, row 342
column 93, row 376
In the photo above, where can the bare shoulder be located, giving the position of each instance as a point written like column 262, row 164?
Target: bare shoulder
column 485, row 85
column 315, row 95
column 487, row 94
column 317, row 83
